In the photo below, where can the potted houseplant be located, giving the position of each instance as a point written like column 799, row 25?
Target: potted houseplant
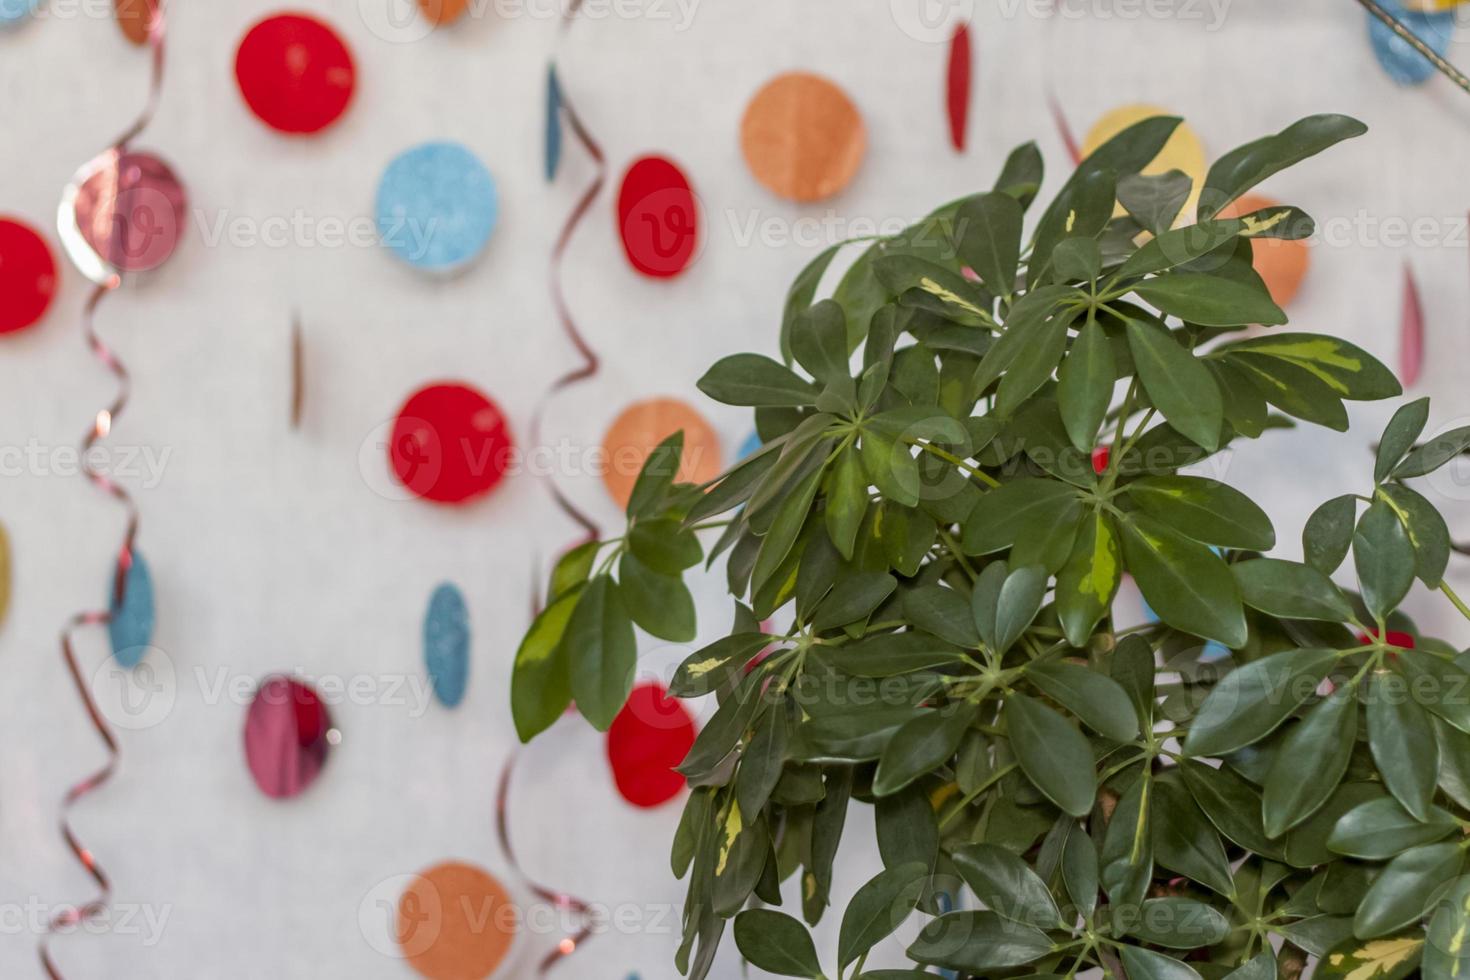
column 964, row 451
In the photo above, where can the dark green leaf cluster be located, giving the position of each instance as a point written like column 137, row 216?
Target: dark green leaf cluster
column 964, row 450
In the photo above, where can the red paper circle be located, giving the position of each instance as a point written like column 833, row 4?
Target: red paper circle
column 648, row 738
column 295, row 73
column 450, row 443
column 658, row 217
column 27, row 275
column 286, row 737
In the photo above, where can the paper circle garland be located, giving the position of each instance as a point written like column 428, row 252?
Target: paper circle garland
column 447, row 644
column 1397, row 57
column 1282, row 264
column 456, row 922
column 27, row 276
column 13, row 12
column 295, row 72
column 802, row 137
column 443, row 11
column 450, row 444
column 130, row 622
column 287, row 733
column 123, row 212
column 437, row 206
column 1183, row 151
column 648, row 738
column 134, row 18
column 658, row 217
column 638, row 431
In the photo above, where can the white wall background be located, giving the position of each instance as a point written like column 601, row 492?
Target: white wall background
column 273, row 550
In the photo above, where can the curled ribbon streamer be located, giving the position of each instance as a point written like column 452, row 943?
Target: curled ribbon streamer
column 588, row 368
column 1414, row 41
column 561, row 900
column 71, row 917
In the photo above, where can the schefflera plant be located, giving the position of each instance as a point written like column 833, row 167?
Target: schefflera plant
column 965, row 450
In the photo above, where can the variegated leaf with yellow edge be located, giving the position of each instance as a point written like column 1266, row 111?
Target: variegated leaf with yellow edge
column 1447, row 951
column 1376, row 959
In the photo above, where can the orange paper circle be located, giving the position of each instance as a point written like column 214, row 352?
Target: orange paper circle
column 802, row 137
column 443, row 11
column 1183, row 151
column 642, row 426
column 456, row 922
column 133, row 17
column 1282, row 264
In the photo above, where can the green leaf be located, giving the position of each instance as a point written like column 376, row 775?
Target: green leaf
column 1186, row 584
column 978, row 941
column 1399, row 437
column 1346, row 370
column 1007, row 885
column 757, row 381
column 1005, row 602
column 819, row 343
column 877, row 909
column 1446, row 953
column 1231, row 803
column 540, row 686
column 1402, row 741
column 1093, row 697
column 799, row 296
column 604, row 652
column 1246, row 166
column 890, row 654
column 572, row 569
column 656, row 476
column 1041, row 351
column 852, row 599
column 1382, row 828
column 1177, row 383
column 1029, row 314
column 1145, row 964
column 1381, row 959
column 847, row 501
column 1090, row 578
column 1155, row 200
column 1176, row 923
column 1085, row 385
column 1000, row 514
column 921, row 746
column 1260, row 967
column 1022, row 173
column 1127, row 858
column 664, row 546
column 763, row 760
column 720, row 735
column 907, row 828
column 790, row 517
column 1439, row 685
column 1185, row 842
column 988, row 232
column 943, row 612
column 1206, row 510
column 777, row 943
column 890, row 466
column 1252, row 700
column 1426, row 528
column 711, row 667
column 1080, row 871
column 1290, row 590
column 660, row 604
column 1311, row 762
column 1181, row 246
column 1384, row 558
column 1077, row 259
column 1328, row 533
column 1293, row 389
column 1407, row 888
column 1434, row 453
column 955, row 295
column 1052, row 753
column 1210, row 301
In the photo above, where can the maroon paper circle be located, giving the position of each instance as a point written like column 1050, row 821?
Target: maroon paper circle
column 286, row 737
column 129, row 209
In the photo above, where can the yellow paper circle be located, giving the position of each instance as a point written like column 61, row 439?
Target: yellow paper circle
column 1183, row 151
column 802, row 137
column 1282, row 264
column 638, row 431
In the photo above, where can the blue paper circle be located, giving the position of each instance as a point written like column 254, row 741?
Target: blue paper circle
column 130, row 625
column 12, row 12
column 749, row 446
column 447, row 644
column 437, row 206
column 1402, row 63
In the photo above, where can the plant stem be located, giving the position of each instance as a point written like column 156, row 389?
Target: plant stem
column 1450, row 594
column 954, row 460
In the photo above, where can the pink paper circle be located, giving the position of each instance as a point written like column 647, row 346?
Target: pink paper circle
column 127, row 210
column 286, row 737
